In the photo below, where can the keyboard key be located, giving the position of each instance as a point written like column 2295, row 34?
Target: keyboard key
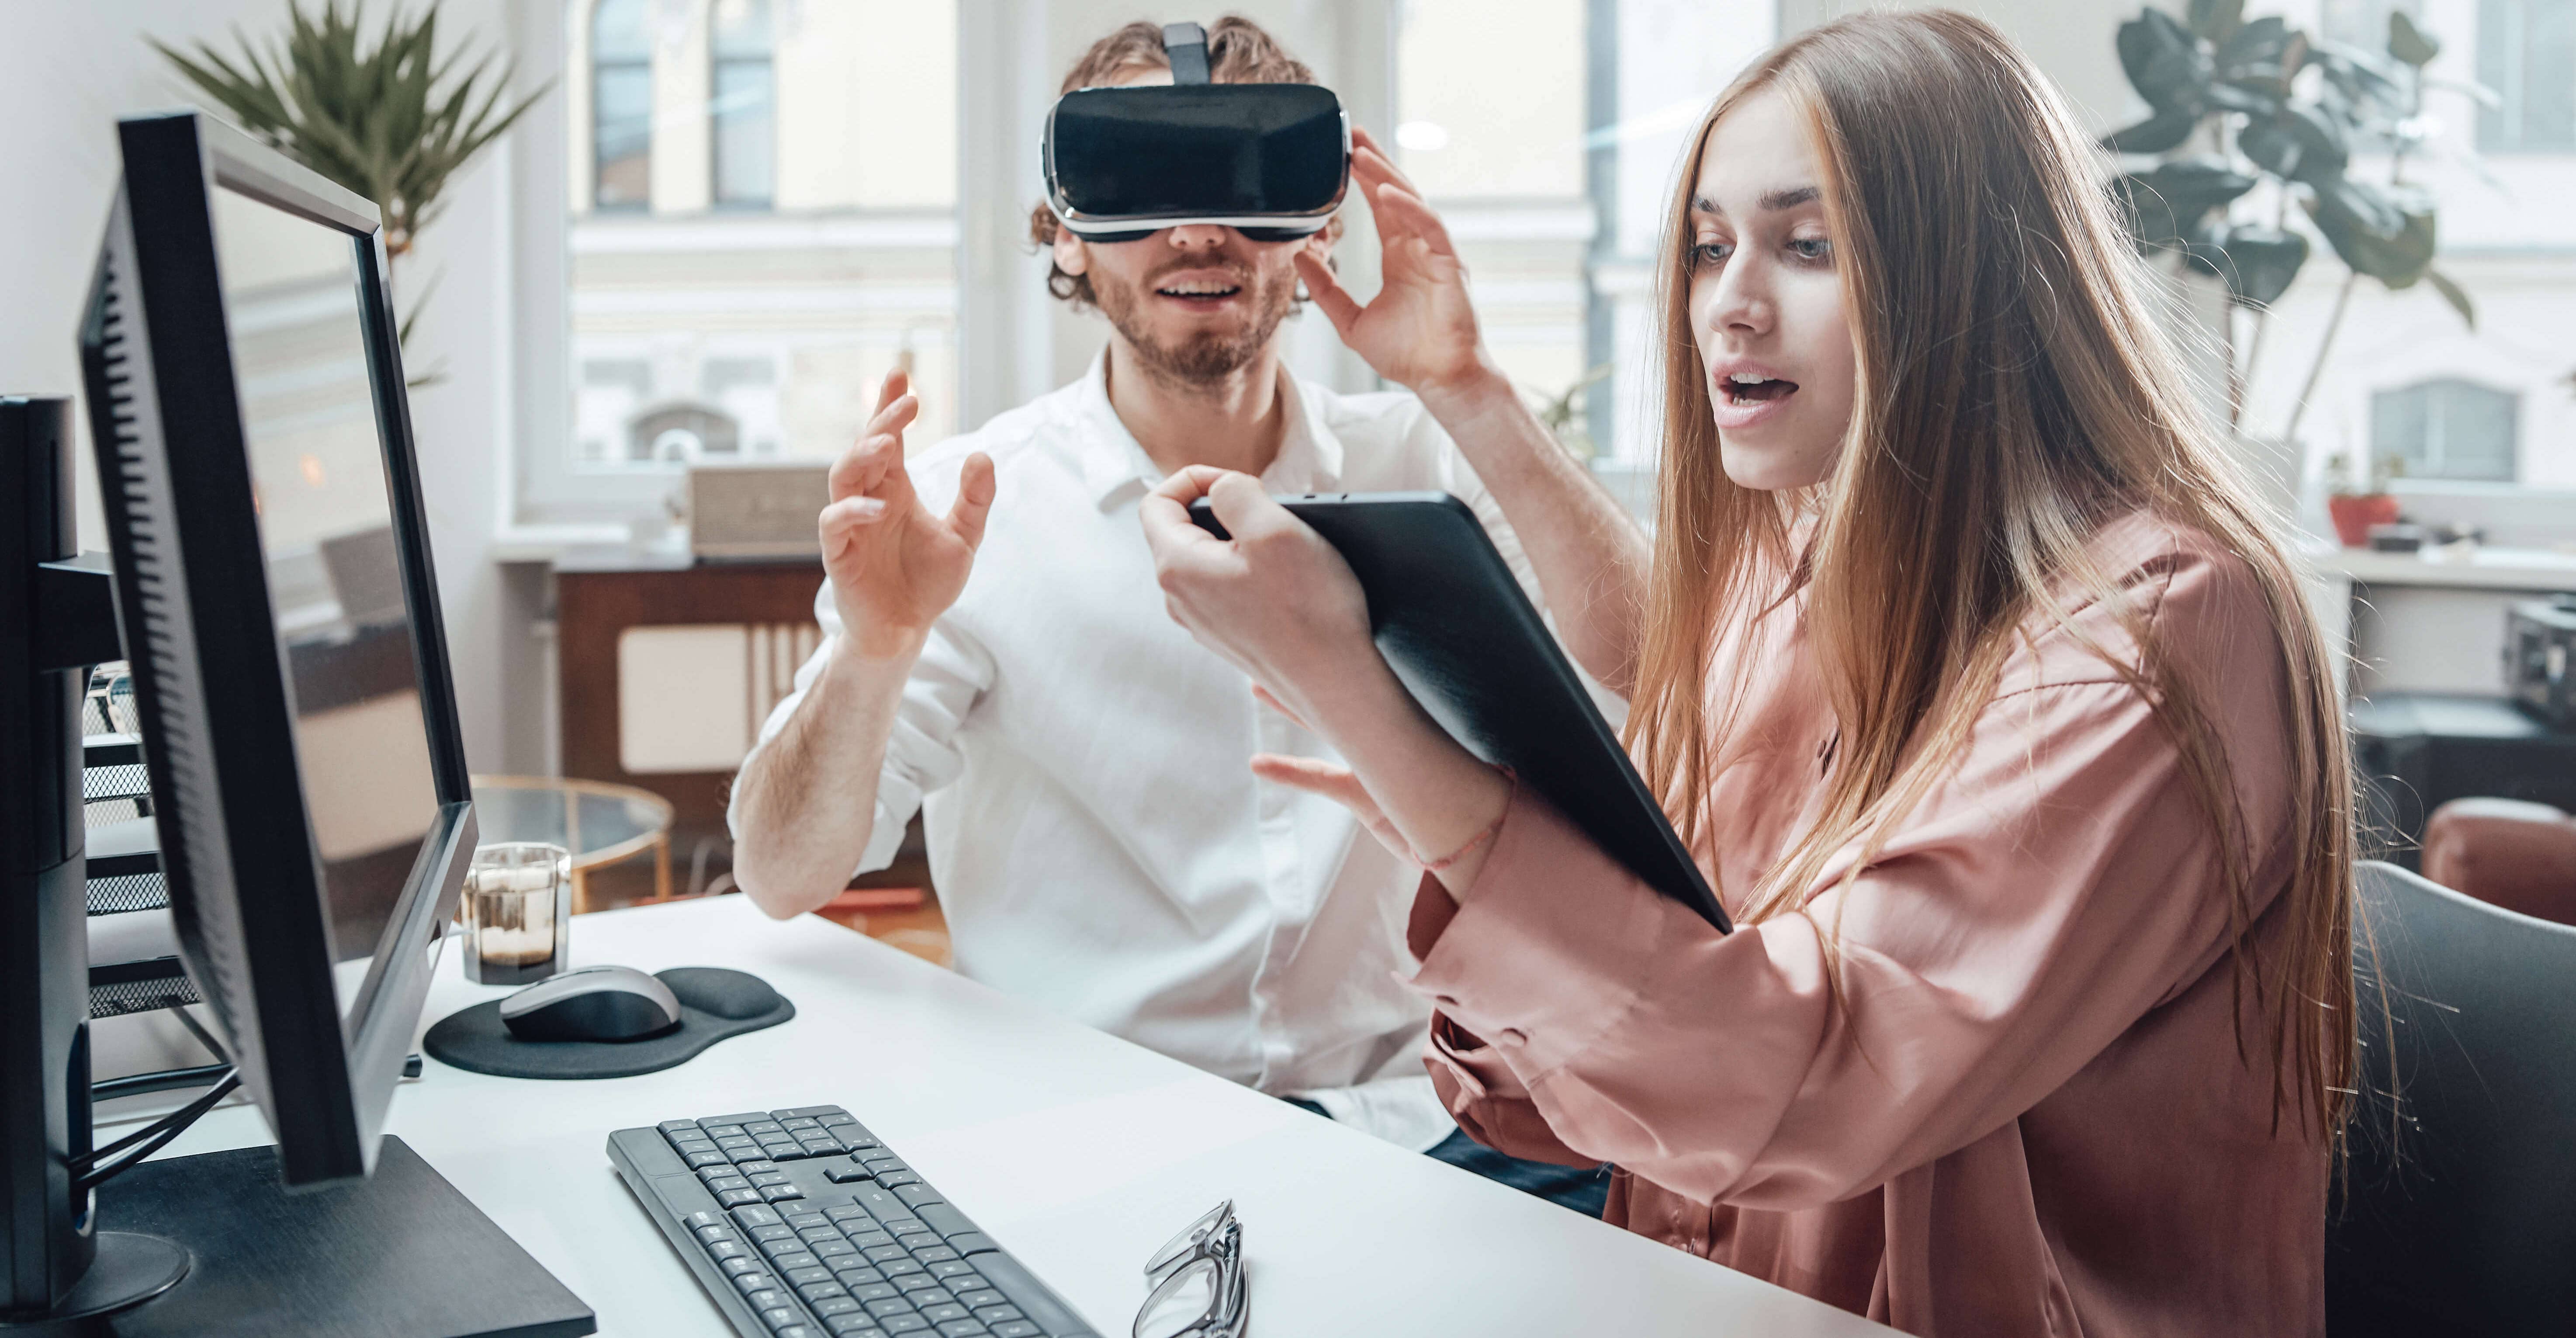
column 704, row 1218
column 735, row 1198
column 842, row 1175
column 898, row 1179
column 876, row 1291
column 726, row 1249
column 724, row 1184
column 794, row 1331
column 888, row 1305
column 882, row 1253
column 699, row 1160
column 834, row 1248
column 926, row 1297
column 1018, row 1328
column 972, row 1243
column 824, row 1145
column 943, row 1218
column 979, row 1298
column 869, row 1239
column 754, row 1215
column 908, row 1187
column 804, row 1274
column 858, row 1325
column 904, row 1323
column 677, row 1126
column 995, row 1313
column 779, row 1317
column 766, row 1297
column 808, row 1112
column 825, row 1307
column 802, row 1218
column 939, row 1314
column 880, row 1202
column 762, row 1179
column 795, row 1122
column 932, row 1254
column 896, row 1269
column 747, row 1283
column 755, row 1167
column 781, row 1193
column 956, row 1271
column 773, row 1233
column 738, row 1265
column 963, row 1328
column 885, row 1162
column 917, row 1282
column 917, row 1240
column 792, row 1260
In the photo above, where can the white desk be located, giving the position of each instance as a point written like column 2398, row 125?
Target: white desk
column 1080, row 1153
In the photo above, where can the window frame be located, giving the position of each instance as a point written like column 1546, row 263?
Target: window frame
column 2504, row 64
column 600, row 67
column 719, row 63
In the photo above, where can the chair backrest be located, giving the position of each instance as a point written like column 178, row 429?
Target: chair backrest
column 2456, row 1212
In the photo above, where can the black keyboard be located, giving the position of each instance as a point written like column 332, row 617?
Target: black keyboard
column 802, row 1224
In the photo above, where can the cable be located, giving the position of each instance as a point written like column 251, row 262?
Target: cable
column 91, row 1171
column 204, row 1037
column 167, row 1080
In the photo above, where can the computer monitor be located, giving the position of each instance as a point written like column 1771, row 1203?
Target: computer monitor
column 254, row 450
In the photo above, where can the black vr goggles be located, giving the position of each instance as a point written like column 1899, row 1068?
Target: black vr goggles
column 1268, row 160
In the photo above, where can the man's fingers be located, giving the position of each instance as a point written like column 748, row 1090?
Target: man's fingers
column 1329, row 779
column 1412, row 218
column 1329, row 294
column 1189, row 483
column 1243, row 508
column 892, row 388
column 869, row 467
column 893, row 416
column 1383, row 161
column 975, row 488
column 846, row 517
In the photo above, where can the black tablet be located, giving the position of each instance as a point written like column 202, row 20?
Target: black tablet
column 1454, row 624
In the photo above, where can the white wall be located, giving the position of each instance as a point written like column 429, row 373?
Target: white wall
column 75, row 68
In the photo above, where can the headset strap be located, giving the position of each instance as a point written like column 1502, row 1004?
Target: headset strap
column 1185, row 44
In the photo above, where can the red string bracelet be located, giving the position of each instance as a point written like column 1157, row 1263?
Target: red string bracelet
column 1491, row 830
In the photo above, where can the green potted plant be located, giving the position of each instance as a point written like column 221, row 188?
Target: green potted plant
column 385, row 120
column 2233, row 107
column 2353, row 509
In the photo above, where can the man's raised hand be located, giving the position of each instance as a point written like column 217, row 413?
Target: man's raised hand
column 895, row 567
column 1420, row 330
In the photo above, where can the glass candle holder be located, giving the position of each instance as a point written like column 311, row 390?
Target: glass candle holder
column 518, row 912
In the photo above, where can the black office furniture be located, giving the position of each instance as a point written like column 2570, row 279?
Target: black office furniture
column 2417, row 751
column 2457, row 1206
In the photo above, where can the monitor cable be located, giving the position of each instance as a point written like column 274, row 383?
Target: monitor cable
column 95, row 1168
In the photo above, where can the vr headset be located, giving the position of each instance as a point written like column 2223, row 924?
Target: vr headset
column 1269, row 160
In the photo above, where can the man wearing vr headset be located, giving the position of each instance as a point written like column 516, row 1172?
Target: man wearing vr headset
column 1099, row 842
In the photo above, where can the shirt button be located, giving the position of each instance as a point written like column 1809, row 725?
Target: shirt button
column 1513, row 1036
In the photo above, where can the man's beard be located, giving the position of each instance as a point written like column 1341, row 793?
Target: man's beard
column 1208, row 356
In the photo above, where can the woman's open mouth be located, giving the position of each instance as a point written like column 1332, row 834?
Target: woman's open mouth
column 1746, row 388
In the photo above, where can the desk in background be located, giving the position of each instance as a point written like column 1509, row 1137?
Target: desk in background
column 2417, row 751
column 1079, row 1152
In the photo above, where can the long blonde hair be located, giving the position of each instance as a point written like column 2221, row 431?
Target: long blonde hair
column 2013, row 393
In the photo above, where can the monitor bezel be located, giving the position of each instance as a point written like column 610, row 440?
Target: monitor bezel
column 324, row 1077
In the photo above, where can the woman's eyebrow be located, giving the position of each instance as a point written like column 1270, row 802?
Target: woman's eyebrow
column 1788, row 197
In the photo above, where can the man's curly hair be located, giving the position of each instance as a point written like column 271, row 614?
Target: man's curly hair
column 1240, row 51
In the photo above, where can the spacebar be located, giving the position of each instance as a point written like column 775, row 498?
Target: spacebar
column 1031, row 1296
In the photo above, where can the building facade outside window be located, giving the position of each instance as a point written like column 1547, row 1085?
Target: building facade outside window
column 621, row 106
column 2447, row 429
column 744, row 107
column 2527, row 55
column 754, row 236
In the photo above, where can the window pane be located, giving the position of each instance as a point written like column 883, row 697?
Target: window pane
column 741, row 29
column 746, row 133
column 622, row 111
column 2448, row 429
column 617, row 32
column 2549, row 75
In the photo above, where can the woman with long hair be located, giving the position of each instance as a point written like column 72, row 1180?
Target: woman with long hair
column 1985, row 696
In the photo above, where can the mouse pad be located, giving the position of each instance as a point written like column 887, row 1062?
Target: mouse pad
column 714, row 1003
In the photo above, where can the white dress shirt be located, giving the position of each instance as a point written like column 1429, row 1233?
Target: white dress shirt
column 1099, row 843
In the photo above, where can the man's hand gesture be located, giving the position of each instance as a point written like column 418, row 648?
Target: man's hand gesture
column 894, row 566
column 1420, row 330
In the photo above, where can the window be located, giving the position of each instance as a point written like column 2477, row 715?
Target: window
column 621, row 106
column 2527, row 54
column 745, row 259
column 2447, row 429
column 743, row 111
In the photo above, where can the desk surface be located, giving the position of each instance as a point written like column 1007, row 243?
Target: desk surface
column 1081, row 1153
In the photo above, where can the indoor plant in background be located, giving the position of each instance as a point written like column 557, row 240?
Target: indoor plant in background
column 2354, row 509
column 2236, row 104
column 391, row 121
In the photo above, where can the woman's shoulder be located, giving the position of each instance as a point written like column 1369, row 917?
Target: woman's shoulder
column 2198, row 602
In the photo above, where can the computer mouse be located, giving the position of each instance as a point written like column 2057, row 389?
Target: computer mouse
column 593, row 1003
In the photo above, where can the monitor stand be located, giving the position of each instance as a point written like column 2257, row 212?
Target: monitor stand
column 399, row 1252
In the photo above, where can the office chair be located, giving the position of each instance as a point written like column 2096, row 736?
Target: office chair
column 2456, row 1211
column 2506, row 852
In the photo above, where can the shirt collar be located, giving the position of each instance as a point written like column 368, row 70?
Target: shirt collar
column 1115, row 466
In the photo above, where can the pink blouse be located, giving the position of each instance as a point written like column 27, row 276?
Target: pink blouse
column 2029, row 1114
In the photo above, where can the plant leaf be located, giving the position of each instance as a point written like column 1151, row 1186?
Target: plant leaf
column 2215, row 20
column 2408, row 43
column 2454, row 294
column 2168, row 66
column 2388, row 236
column 2259, row 263
column 2156, row 134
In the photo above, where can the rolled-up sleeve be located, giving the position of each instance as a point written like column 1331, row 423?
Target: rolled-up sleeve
column 922, row 752
column 2056, row 886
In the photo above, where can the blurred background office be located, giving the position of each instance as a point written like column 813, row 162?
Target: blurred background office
column 721, row 222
